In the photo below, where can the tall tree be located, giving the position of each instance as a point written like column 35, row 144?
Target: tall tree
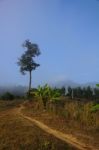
column 26, row 61
column 69, row 91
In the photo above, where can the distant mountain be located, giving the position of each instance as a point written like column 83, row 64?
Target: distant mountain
column 92, row 84
column 16, row 90
column 73, row 84
column 65, row 83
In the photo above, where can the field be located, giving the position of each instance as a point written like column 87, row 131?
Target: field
column 84, row 126
column 25, row 125
column 17, row 133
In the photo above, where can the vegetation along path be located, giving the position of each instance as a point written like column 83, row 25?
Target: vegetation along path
column 64, row 137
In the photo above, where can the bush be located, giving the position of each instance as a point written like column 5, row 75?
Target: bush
column 95, row 108
column 7, row 96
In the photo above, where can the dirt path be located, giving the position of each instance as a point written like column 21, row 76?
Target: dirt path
column 64, row 137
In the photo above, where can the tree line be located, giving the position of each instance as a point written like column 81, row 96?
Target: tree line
column 80, row 93
column 85, row 93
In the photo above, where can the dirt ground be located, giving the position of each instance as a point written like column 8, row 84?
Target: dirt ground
column 18, row 133
column 86, row 139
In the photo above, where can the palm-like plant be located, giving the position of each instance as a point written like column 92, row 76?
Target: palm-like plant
column 46, row 93
column 54, row 94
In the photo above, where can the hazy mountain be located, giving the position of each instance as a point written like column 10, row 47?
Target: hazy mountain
column 65, row 83
column 92, row 84
column 16, row 90
column 71, row 83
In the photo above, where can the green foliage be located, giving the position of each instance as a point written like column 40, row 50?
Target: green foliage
column 63, row 91
column 69, row 91
column 97, row 85
column 46, row 93
column 95, row 108
column 87, row 93
column 26, row 62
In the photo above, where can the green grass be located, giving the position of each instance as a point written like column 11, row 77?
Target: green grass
column 95, row 108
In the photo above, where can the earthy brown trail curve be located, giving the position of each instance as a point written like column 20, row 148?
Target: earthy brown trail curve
column 69, row 139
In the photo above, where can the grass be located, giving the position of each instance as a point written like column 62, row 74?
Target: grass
column 73, row 117
column 17, row 133
column 5, row 105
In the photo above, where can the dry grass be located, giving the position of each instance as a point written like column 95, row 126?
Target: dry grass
column 6, row 105
column 17, row 133
column 73, row 118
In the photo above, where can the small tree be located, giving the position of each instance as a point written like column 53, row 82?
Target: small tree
column 69, row 91
column 26, row 61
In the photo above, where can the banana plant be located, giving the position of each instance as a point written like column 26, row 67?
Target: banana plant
column 46, row 93
column 42, row 93
column 54, row 94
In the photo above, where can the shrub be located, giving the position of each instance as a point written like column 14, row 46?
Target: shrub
column 7, row 96
column 95, row 108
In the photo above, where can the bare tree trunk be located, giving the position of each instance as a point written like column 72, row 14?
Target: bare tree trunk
column 30, row 81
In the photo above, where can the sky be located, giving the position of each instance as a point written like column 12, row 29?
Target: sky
column 67, row 32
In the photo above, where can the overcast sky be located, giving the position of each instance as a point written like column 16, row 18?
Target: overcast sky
column 67, row 32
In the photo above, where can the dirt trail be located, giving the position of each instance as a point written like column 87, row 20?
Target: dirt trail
column 64, row 137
